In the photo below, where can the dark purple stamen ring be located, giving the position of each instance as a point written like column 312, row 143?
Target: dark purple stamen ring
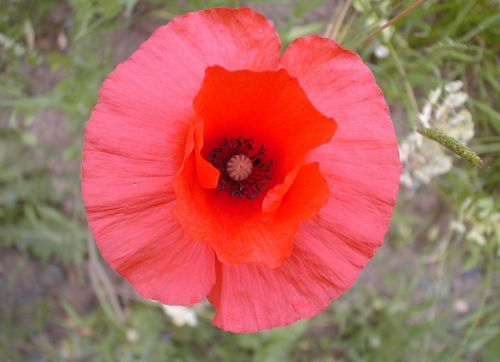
column 260, row 175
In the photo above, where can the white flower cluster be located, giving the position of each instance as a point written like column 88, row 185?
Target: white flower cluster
column 7, row 43
column 374, row 21
column 479, row 221
column 181, row 316
column 444, row 110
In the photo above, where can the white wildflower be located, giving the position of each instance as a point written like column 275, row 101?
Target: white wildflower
column 132, row 335
column 381, row 51
column 454, row 86
column 387, row 32
column 461, row 126
column 461, row 306
column 476, row 236
column 62, row 41
column 430, row 162
column 407, row 180
column 8, row 43
column 455, row 100
column 482, row 217
column 180, row 315
column 425, row 115
column 458, row 226
column 361, row 5
column 367, row 5
column 434, row 95
column 423, row 158
column 442, row 112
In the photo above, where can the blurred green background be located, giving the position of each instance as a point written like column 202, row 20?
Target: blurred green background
column 430, row 294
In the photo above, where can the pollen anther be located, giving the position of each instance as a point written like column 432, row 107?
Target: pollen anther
column 245, row 171
column 239, row 167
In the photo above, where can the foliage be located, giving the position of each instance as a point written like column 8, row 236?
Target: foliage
column 429, row 294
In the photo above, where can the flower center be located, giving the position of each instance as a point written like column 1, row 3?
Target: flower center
column 239, row 167
column 244, row 170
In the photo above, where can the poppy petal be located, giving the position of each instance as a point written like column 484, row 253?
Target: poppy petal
column 135, row 140
column 269, row 107
column 268, row 242
column 250, row 297
column 361, row 165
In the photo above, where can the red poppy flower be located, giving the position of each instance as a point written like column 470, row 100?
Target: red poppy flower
column 214, row 167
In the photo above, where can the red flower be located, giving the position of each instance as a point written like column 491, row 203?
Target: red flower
column 214, row 167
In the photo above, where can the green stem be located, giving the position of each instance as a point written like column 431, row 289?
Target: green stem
column 479, row 312
column 409, row 90
column 403, row 13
